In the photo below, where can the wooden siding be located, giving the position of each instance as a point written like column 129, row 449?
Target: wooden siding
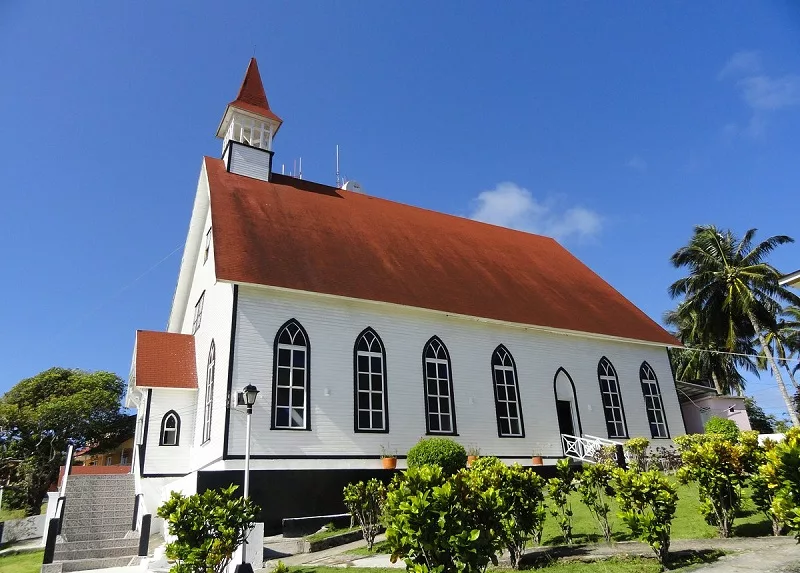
column 170, row 459
column 249, row 161
column 332, row 327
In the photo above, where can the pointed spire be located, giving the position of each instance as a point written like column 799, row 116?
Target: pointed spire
column 251, row 95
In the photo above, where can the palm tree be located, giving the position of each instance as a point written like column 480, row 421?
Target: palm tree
column 702, row 359
column 734, row 291
column 783, row 343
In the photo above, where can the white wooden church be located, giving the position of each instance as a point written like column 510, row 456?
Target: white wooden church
column 365, row 324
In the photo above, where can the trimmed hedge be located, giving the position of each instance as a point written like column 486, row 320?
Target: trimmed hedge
column 447, row 454
column 724, row 427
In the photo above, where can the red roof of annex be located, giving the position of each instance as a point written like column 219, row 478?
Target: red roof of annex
column 165, row 360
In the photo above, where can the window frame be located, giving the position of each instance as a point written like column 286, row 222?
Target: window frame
column 207, row 248
column 161, row 440
column 606, row 408
column 198, row 312
column 653, row 382
column 451, row 397
column 356, row 390
column 307, row 383
column 497, row 402
column 208, row 398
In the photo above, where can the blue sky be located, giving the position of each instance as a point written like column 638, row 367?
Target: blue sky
column 614, row 126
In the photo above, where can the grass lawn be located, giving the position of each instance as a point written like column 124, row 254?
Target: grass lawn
column 7, row 514
column 687, row 524
column 22, row 562
column 320, row 535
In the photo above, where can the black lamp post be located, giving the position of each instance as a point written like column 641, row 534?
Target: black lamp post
column 249, row 393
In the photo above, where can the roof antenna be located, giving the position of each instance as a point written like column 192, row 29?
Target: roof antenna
column 337, row 165
column 300, row 171
column 283, row 169
column 294, row 168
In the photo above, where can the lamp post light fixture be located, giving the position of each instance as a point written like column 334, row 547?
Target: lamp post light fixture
column 248, row 396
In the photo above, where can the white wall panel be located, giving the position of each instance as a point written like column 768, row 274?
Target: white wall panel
column 332, row 326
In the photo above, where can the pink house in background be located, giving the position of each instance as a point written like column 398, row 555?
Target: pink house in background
column 700, row 402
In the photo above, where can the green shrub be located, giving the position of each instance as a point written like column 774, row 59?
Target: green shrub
column 559, row 488
column 447, row 454
column 209, row 526
column 722, row 426
column 364, row 501
column 443, row 524
column 782, row 472
column 594, row 487
column 647, row 501
column 522, row 512
column 720, row 468
column 636, row 448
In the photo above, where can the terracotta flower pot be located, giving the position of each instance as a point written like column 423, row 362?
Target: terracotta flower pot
column 537, row 461
column 471, row 459
column 389, row 463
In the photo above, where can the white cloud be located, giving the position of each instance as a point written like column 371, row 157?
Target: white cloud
column 509, row 205
column 766, row 93
column 763, row 94
column 637, row 164
column 741, row 63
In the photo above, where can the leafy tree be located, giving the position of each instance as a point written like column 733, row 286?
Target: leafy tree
column 759, row 420
column 560, row 488
column 721, row 468
column 782, row 471
column 733, row 290
column 42, row 415
column 636, row 449
column 443, row 452
column 594, row 486
column 364, row 501
column 209, row 526
column 522, row 502
column 443, row 524
column 764, row 486
column 647, row 501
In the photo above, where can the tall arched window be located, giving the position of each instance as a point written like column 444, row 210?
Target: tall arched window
column 371, row 405
column 652, row 401
column 290, row 378
column 170, row 429
column 440, row 415
column 506, row 395
column 612, row 399
column 209, row 397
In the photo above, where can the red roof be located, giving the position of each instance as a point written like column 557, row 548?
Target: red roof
column 251, row 96
column 305, row 236
column 165, row 360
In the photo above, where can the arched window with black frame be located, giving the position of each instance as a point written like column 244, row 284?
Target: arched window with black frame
column 506, row 395
column 209, row 396
column 371, row 400
column 653, row 403
column 170, row 429
column 290, row 381
column 612, row 399
column 440, row 414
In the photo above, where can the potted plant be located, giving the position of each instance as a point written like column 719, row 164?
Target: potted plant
column 536, row 459
column 388, row 458
column 473, row 453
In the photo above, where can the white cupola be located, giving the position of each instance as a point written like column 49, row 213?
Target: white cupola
column 248, row 128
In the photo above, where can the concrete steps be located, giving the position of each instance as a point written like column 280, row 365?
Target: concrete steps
column 96, row 530
column 88, row 564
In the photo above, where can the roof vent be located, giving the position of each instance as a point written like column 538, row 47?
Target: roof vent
column 353, row 186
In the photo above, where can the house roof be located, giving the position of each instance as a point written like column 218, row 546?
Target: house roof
column 251, row 95
column 304, row 236
column 792, row 279
column 164, row 360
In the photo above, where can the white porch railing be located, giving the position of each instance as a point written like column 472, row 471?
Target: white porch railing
column 584, row 448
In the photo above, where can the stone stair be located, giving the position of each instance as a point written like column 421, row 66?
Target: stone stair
column 96, row 529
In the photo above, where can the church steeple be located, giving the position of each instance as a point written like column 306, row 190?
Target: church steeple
column 248, row 128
